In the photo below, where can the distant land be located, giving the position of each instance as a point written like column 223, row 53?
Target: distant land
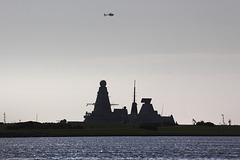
column 36, row 129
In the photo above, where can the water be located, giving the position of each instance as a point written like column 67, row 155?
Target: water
column 159, row 147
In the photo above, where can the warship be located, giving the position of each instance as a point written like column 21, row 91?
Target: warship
column 103, row 114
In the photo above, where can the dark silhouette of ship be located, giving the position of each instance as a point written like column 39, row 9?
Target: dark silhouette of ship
column 102, row 113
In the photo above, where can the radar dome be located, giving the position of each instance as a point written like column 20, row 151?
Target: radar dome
column 103, row 83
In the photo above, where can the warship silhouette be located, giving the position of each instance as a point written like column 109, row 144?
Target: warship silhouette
column 102, row 113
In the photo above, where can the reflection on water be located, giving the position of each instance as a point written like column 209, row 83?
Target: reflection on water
column 121, row 148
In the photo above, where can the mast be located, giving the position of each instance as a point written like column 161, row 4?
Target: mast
column 134, row 92
column 134, row 104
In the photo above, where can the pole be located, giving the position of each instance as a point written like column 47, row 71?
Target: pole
column 4, row 117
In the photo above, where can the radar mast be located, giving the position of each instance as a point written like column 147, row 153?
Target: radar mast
column 134, row 104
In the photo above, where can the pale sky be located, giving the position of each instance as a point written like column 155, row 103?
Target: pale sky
column 184, row 54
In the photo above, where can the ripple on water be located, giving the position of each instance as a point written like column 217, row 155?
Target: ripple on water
column 120, row 148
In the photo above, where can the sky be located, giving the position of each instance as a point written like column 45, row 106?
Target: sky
column 184, row 54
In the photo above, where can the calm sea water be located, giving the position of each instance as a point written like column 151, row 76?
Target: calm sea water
column 159, row 147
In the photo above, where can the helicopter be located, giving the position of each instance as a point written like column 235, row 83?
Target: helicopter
column 109, row 14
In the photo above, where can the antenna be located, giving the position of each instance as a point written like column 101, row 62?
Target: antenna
column 4, row 117
column 112, row 104
column 134, row 92
column 90, row 104
column 162, row 109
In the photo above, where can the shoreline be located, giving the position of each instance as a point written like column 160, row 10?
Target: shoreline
column 90, row 130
